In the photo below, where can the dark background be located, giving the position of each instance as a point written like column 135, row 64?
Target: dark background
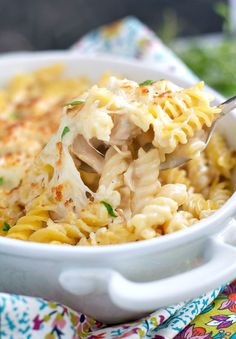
column 56, row 24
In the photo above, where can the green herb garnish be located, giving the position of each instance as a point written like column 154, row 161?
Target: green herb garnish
column 147, row 82
column 109, row 209
column 74, row 103
column 16, row 115
column 1, row 180
column 6, row 227
column 65, row 131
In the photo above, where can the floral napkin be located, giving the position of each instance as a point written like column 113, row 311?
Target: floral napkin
column 211, row 316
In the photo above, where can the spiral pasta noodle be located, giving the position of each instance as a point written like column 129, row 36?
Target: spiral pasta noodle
column 33, row 220
column 159, row 210
column 198, row 173
column 179, row 221
column 184, row 127
column 116, row 233
column 174, row 176
column 220, row 192
column 198, row 206
column 220, row 157
column 72, row 230
column 145, row 178
column 195, row 113
column 112, row 179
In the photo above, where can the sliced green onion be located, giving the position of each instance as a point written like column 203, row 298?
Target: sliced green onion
column 65, row 131
column 16, row 115
column 74, row 103
column 147, row 82
column 109, row 209
column 6, row 227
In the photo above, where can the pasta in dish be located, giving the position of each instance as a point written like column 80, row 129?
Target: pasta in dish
column 30, row 111
column 97, row 181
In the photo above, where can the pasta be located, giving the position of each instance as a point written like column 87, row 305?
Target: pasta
column 32, row 221
column 30, row 111
column 145, row 179
column 98, row 181
column 112, row 179
column 195, row 113
column 220, row 192
column 180, row 220
column 158, row 211
column 197, row 205
column 174, row 176
column 221, row 159
column 198, row 173
column 70, row 231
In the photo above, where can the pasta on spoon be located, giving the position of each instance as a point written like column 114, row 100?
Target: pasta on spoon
column 124, row 132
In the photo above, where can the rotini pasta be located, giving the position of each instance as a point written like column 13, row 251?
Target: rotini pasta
column 220, row 192
column 180, row 220
column 220, row 157
column 32, row 221
column 197, row 205
column 158, row 210
column 198, row 172
column 98, row 180
column 195, row 113
column 174, row 176
column 145, row 179
column 112, row 178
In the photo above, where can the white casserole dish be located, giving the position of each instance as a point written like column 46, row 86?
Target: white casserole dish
column 121, row 282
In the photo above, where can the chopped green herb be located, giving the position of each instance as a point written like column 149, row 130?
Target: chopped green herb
column 1, row 180
column 109, row 209
column 6, row 227
column 147, row 82
column 65, row 131
column 16, row 115
column 74, row 103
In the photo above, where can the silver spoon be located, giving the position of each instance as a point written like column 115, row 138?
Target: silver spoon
column 175, row 159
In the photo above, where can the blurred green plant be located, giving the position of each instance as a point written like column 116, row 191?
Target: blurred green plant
column 214, row 62
column 222, row 9
column 170, row 27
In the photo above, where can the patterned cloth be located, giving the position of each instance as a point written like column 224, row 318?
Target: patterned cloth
column 130, row 38
column 212, row 316
column 34, row 318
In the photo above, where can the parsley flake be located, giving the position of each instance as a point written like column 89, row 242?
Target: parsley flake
column 74, row 103
column 65, row 131
column 1, row 180
column 109, row 209
column 6, row 227
column 16, row 115
column 147, row 82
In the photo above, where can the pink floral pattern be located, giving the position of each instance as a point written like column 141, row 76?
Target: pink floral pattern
column 191, row 332
column 230, row 303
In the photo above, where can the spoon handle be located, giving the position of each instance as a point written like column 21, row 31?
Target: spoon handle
column 228, row 105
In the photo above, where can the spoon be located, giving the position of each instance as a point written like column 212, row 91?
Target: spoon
column 177, row 158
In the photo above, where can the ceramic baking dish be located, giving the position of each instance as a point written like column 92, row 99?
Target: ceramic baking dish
column 121, row 282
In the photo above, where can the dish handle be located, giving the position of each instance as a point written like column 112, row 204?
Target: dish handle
column 219, row 269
